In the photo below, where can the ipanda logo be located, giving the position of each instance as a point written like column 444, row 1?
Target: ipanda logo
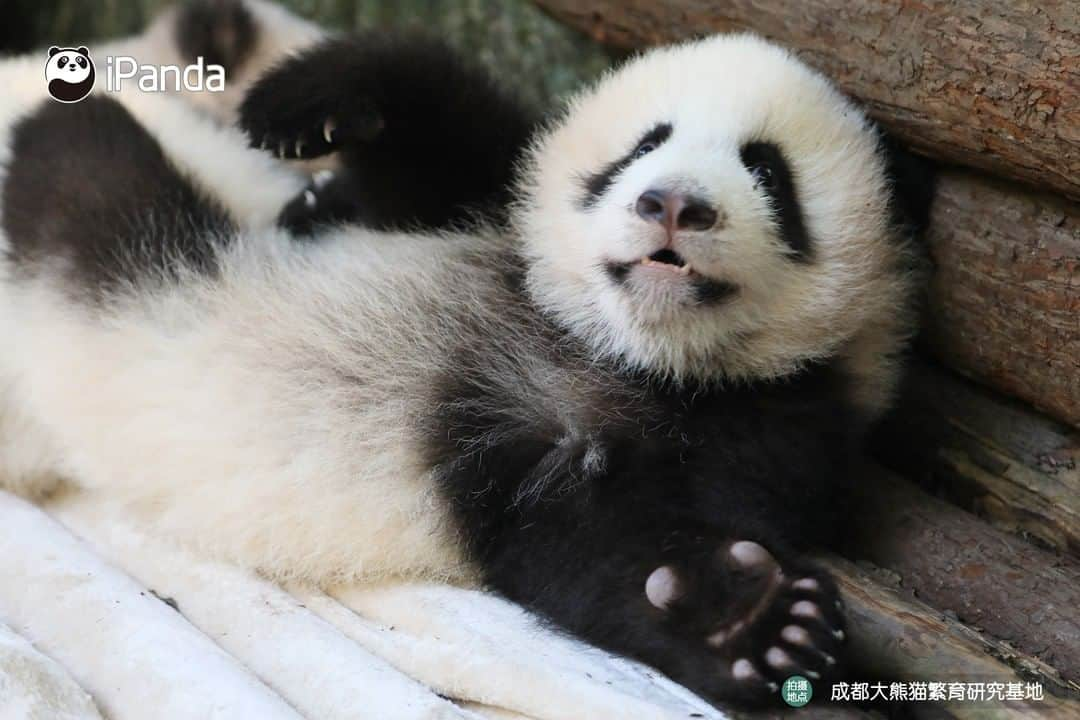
column 70, row 74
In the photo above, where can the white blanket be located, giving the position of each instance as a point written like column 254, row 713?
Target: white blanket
column 90, row 591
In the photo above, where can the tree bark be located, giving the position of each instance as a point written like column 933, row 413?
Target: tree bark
column 1009, row 588
column 993, row 85
column 1010, row 465
column 897, row 638
column 1004, row 299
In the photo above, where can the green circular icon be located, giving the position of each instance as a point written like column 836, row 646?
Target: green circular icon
column 796, row 691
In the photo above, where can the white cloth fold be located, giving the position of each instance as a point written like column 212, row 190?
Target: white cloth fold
column 242, row 647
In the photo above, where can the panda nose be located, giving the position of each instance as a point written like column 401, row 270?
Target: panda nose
column 71, row 66
column 675, row 211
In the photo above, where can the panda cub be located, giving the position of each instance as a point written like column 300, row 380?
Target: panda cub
column 631, row 405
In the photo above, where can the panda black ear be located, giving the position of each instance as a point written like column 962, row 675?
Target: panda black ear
column 913, row 179
column 83, row 51
column 53, row 50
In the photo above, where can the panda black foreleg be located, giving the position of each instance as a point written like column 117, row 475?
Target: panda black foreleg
column 426, row 139
column 636, row 563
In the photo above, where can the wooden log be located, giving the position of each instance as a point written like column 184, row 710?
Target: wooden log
column 993, row 85
column 897, row 638
column 1017, row 469
column 991, row 580
column 1004, row 298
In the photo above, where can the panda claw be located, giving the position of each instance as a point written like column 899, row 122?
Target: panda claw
column 322, row 178
column 300, row 144
column 777, row 658
column 310, row 201
column 329, row 128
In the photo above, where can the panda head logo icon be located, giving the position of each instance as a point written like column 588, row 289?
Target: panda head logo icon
column 69, row 73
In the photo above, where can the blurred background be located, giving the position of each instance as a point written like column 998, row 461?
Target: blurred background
column 542, row 58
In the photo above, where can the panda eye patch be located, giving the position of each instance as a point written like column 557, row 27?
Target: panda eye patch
column 63, row 60
column 598, row 183
column 81, row 61
column 769, row 171
column 772, row 176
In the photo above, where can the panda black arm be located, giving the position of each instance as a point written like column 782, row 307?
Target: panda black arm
column 684, row 554
column 426, row 138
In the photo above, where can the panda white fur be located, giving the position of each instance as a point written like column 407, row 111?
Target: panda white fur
column 606, row 408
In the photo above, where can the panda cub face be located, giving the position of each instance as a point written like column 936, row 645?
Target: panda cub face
column 69, row 73
column 714, row 210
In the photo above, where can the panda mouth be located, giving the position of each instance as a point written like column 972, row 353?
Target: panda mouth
column 667, row 259
column 664, row 261
column 706, row 290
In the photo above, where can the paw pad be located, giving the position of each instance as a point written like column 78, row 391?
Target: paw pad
column 749, row 554
column 760, row 619
column 662, row 587
column 778, row 658
column 743, row 669
column 796, row 635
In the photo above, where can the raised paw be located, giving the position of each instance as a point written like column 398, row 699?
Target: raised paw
column 761, row 621
column 304, row 109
